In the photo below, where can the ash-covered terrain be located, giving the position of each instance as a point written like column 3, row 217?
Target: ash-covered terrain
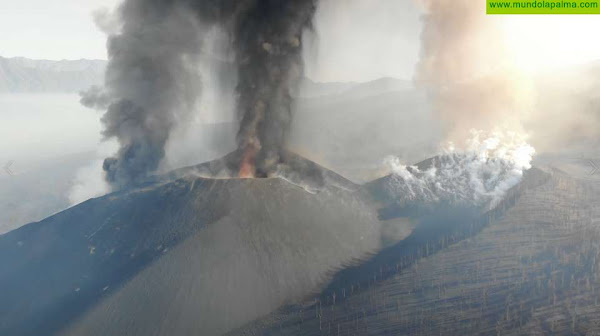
column 200, row 252
column 180, row 256
column 264, row 241
column 531, row 268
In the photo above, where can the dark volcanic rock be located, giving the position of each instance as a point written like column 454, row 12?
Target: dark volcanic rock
column 186, row 254
column 180, row 257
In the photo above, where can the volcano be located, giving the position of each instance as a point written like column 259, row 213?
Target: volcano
column 201, row 251
column 193, row 251
column 291, row 167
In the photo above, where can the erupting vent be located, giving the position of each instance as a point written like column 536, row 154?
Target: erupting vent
column 290, row 167
column 266, row 39
column 248, row 163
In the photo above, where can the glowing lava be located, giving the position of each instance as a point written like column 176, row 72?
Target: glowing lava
column 247, row 166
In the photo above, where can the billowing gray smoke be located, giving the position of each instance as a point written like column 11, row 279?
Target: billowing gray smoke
column 152, row 82
column 268, row 42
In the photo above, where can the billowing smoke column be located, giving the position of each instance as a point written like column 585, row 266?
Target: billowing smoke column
column 467, row 68
column 268, row 42
column 152, row 82
column 480, row 99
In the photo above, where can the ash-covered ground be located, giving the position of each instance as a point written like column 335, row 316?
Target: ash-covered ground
column 306, row 252
column 532, row 269
column 184, row 254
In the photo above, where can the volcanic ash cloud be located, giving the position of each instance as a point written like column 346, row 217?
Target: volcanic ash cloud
column 153, row 83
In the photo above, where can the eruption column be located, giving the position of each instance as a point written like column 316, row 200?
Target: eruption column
column 268, row 46
column 152, row 81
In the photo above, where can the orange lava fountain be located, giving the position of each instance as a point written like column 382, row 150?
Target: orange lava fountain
column 247, row 166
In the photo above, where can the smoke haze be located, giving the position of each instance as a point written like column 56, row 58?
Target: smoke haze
column 481, row 101
column 466, row 67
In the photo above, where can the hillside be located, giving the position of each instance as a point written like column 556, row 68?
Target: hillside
column 531, row 270
column 140, row 261
column 187, row 253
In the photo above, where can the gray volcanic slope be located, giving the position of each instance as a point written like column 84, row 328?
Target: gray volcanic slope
column 186, row 254
column 533, row 270
column 189, row 256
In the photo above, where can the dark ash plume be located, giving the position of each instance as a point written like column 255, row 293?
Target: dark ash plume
column 152, row 82
column 267, row 40
column 95, row 98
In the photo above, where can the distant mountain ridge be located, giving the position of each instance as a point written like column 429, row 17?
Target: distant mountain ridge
column 354, row 90
column 24, row 75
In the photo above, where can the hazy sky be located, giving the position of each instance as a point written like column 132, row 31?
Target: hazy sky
column 361, row 40
column 357, row 40
column 51, row 29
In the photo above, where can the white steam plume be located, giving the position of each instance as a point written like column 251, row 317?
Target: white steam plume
column 467, row 70
column 90, row 181
column 480, row 175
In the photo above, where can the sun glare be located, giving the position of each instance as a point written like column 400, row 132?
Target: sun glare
column 542, row 42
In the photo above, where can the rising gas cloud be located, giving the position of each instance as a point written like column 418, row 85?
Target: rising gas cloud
column 478, row 175
column 481, row 101
column 466, row 67
column 470, row 68
column 153, row 82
